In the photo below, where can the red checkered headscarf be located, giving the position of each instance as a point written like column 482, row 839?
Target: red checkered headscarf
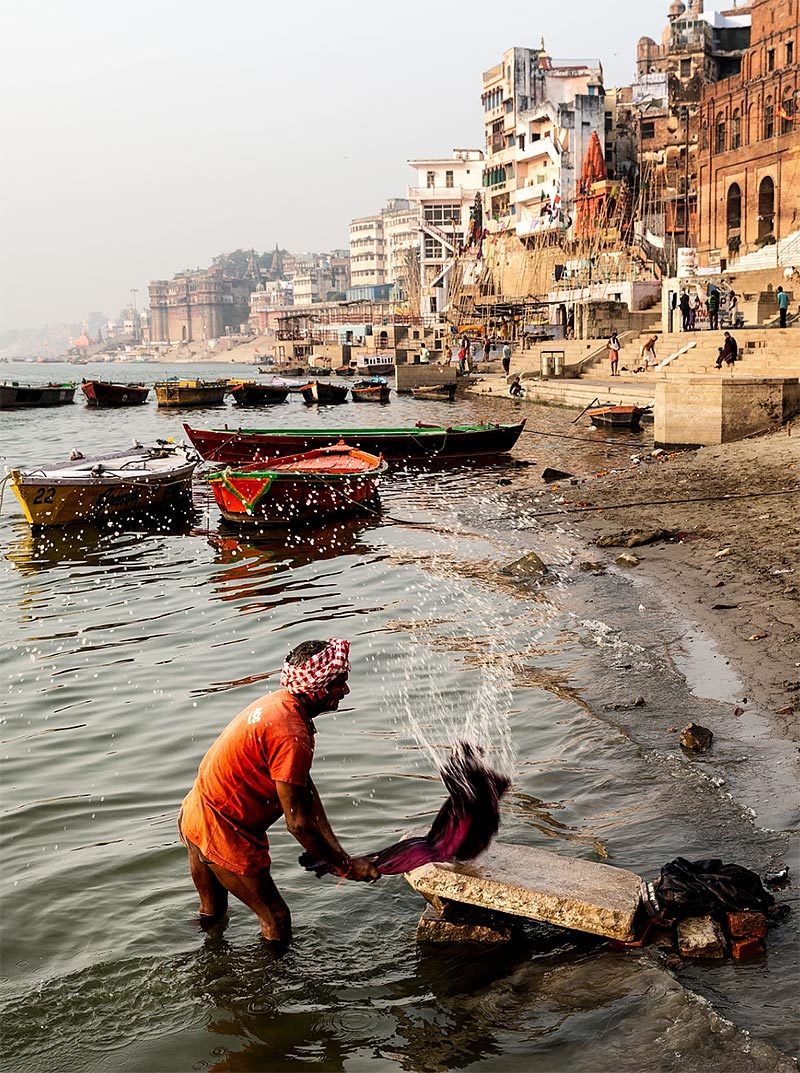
column 317, row 673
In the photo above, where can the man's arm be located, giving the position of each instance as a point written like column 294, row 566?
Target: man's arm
column 306, row 821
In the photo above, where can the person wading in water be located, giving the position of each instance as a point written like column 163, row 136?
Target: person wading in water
column 257, row 770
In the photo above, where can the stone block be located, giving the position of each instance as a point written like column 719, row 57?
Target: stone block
column 747, row 948
column 700, row 937
column 434, row 928
column 540, row 885
column 746, row 925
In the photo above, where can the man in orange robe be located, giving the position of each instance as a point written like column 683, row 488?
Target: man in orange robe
column 257, row 770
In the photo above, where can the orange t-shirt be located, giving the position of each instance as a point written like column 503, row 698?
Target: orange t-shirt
column 234, row 798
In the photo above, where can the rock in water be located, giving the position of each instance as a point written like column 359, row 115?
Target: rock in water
column 529, row 566
column 700, row 937
column 695, row 738
column 632, row 538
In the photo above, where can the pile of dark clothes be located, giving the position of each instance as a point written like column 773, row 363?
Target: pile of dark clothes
column 464, row 826
column 696, row 888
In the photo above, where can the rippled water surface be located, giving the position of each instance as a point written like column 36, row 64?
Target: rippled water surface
column 126, row 653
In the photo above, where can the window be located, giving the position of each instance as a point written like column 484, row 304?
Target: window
column 521, row 141
column 720, row 135
column 509, row 105
column 686, row 68
column 444, row 214
column 770, row 59
column 789, row 53
column 510, row 140
column 769, row 118
column 787, row 116
column 448, row 179
column 433, row 305
column 648, row 130
column 766, row 207
column 431, row 180
column 734, row 210
column 736, row 129
column 609, row 122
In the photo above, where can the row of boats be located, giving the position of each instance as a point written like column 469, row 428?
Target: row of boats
column 259, row 477
column 194, row 392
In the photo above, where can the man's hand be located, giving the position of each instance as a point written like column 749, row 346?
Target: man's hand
column 362, row 871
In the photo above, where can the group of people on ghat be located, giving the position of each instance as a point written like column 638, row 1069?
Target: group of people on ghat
column 727, row 355
column 694, row 307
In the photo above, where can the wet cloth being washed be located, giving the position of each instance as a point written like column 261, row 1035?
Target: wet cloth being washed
column 464, row 826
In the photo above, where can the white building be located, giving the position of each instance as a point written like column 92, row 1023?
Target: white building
column 401, row 224
column 539, row 116
column 444, row 192
column 367, row 251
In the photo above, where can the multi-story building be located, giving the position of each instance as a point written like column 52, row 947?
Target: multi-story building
column 539, row 117
column 367, row 251
column 401, row 221
column 444, row 196
column 749, row 159
column 662, row 112
column 196, row 306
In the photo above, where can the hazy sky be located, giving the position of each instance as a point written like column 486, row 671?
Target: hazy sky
column 141, row 138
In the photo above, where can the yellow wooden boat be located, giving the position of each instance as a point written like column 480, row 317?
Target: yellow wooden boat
column 143, row 479
column 190, row 392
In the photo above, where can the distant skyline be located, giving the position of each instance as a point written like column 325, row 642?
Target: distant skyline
column 145, row 138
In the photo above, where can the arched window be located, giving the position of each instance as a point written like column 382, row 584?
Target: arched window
column 736, row 129
column 766, row 207
column 734, row 215
column 719, row 134
column 769, row 118
column 787, row 117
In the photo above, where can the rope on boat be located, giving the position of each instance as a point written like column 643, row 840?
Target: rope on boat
column 668, row 502
column 584, row 439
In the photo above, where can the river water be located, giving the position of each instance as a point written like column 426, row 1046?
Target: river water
column 124, row 655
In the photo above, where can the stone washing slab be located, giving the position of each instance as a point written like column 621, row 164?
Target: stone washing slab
column 535, row 883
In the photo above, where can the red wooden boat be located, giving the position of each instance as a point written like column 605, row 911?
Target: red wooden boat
column 420, row 443
column 374, row 389
column 325, row 394
column 617, row 416
column 312, row 486
column 250, row 393
column 104, row 393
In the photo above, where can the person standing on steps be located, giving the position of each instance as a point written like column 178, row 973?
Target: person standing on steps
column 613, row 353
column 506, row 358
column 258, row 770
column 713, row 310
column 685, row 307
column 783, row 305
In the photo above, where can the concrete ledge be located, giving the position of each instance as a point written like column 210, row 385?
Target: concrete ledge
column 407, row 377
column 534, row 883
column 707, row 410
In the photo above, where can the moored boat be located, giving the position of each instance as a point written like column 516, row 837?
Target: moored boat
column 373, row 389
column 13, row 394
column 435, row 393
column 419, row 443
column 251, row 393
column 617, row 416
column 310, row 486
column 104, row 393
column 90, row 489
column 190, row 392
column 325, row 394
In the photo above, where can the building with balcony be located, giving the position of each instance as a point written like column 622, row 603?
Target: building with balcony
column 444, row 196
column 749, row 157
column 401, row 223
column 195, row 306
column 539, row 117
column 367, row 251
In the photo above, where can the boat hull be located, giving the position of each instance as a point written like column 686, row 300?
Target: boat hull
column 325, row 394
column 258, row 394
column 443, row 393
column 101, row 393
column 378, row 393
column 62, row 496
column 191, row 393
column 240, row 446
column 14, row 395
column 617, row 416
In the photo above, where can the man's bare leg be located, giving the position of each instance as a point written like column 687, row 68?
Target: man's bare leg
column 260, row 894
column 213, row 895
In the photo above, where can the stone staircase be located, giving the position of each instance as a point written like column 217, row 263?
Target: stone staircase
column 771, row 352
column 784, row 254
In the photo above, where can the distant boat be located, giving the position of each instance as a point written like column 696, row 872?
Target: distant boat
column 435, row 392
column 13, row 394
column 91, row 489
column 311, row 486
column 325, row 394
column 104, row 393
column 191, row 392
column 251, row 393
column 617, row 416
column 373, row 389
column 426, row 443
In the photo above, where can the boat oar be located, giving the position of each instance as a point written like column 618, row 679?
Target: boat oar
column 587, row 407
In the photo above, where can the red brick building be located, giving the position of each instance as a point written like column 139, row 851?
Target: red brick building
column 749, row 164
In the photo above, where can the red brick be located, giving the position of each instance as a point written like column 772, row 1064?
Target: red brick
column 745, row 948
column 746, row 925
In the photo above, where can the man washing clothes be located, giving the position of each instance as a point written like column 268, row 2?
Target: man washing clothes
column 257, row 770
